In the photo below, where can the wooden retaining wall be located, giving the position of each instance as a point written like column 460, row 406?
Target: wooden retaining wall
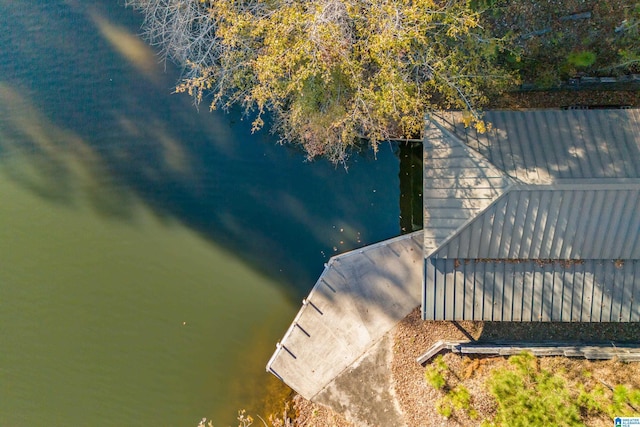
column 590, row 351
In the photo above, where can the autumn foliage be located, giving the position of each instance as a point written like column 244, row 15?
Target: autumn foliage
column 331, row 73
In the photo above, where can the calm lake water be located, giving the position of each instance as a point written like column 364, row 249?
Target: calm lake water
column 151, row 255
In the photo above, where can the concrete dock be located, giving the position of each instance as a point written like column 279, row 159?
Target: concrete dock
column 360, row 296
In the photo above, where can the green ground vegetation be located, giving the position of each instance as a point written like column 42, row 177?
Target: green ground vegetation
column 525, row 394
column 556, row 41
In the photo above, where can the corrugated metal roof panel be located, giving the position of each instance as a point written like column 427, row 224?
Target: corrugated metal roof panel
column 546, row 145
column 458, row 184
column 577, row 198
column 498, row 290
column 553, row 224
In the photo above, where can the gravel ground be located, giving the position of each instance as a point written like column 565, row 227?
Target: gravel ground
column 413, row 336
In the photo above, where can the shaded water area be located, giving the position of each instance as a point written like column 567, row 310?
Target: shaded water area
column 151, row 254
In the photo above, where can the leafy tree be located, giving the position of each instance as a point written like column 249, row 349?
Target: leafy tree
column 331, row 72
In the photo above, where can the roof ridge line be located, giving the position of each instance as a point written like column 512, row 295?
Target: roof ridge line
column 472, row 151
column 464, row 225
column 584, row 184
column 468, row 199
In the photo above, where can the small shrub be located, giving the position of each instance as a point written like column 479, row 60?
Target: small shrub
column 590, row 402
column 458, row 399
column 624, row 402
column 581, row 59
column 444, row 408
column 547, row 79
column 434, row 373
column 532, row 396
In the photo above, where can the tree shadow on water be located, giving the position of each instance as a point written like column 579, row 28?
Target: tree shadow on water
column 85, row 125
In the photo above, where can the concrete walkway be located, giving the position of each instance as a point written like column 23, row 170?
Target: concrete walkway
column 360, row 296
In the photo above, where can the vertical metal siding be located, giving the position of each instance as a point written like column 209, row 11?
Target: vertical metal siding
column 478, row 292
column 566, row 308
column 546, row 296
column 556, row 292
column 587, row 296
column 608, row 289
column 528, row 292
column 497, row 297
column 586, row 291
column 634, row 309
column 430, row 300
column 508, row 292
column 460, row 293
column 626, row 293
column 440, row 294
column 577, row 296
column 450, row 293
column 516, row 282
column 469, row 290
column 617, row 293
column 598, row 292
column 489, row 281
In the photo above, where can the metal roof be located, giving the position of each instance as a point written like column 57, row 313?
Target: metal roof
column 458, row 185
column 575, row 222
column 504, row 290
column 542, row 146
column 551, row 187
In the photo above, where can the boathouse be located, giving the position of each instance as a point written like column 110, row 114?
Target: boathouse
column 537, row 219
